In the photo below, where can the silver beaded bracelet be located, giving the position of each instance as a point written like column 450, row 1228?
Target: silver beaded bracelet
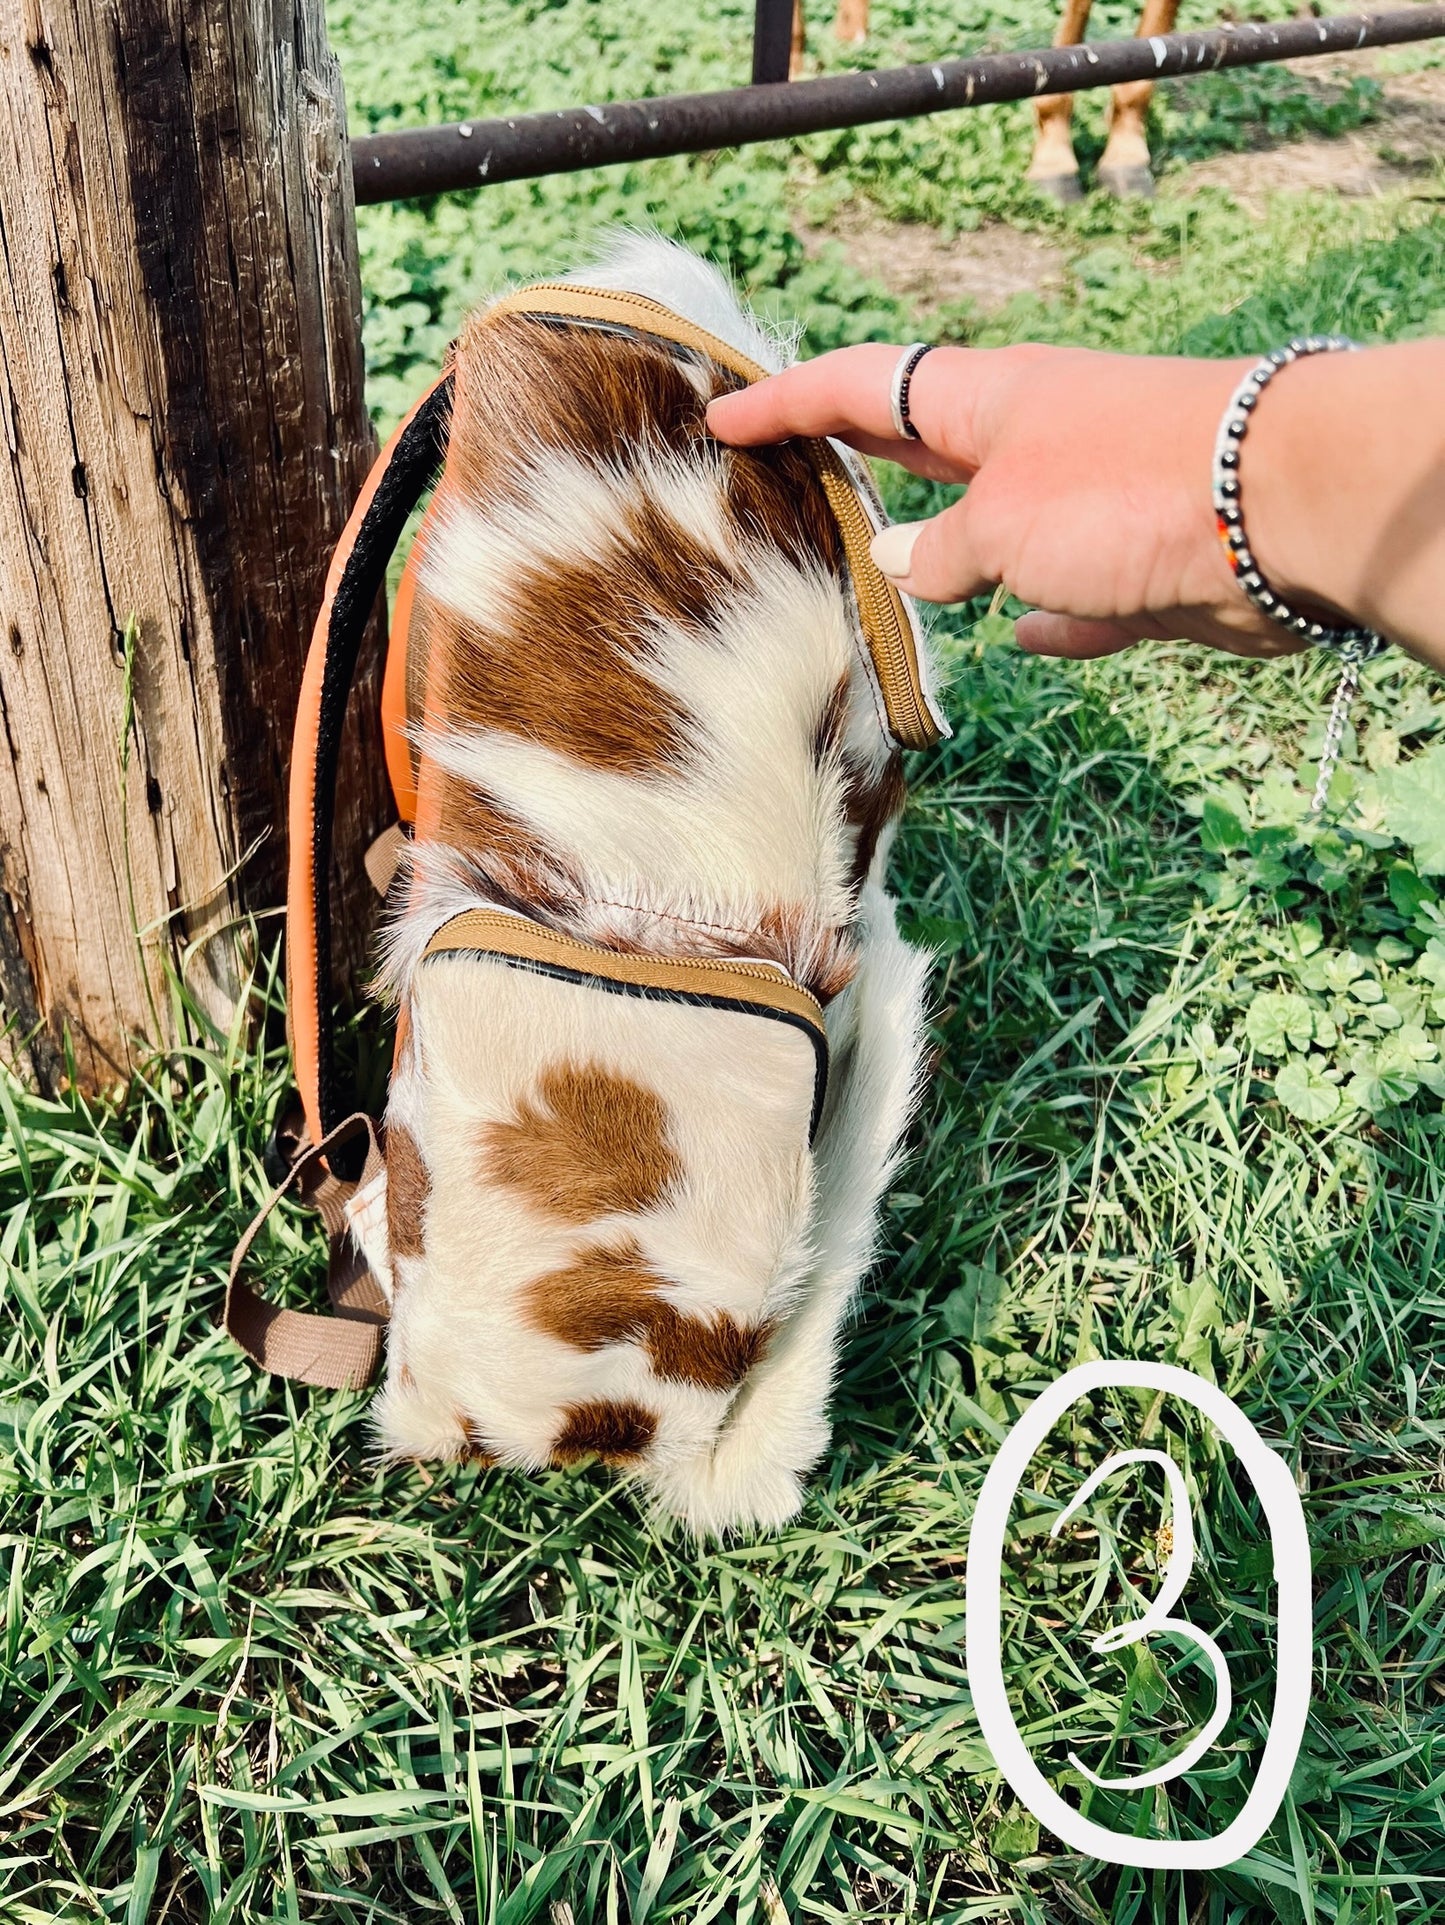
column 1353, row 643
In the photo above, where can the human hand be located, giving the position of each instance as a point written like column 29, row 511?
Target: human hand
column 1088, row 485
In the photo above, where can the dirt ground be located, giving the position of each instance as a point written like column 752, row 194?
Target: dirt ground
column 929, row 268
column 996, row 262
column 1388, row 152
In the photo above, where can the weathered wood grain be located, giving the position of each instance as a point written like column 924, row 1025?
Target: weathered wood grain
column 182, row 433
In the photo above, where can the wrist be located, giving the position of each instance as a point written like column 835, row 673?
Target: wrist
column 1300, row 489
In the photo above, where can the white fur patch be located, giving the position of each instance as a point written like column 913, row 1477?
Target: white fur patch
column 365, row 1212
column 637, row 263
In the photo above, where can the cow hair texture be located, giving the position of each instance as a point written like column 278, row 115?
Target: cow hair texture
column 650, row 725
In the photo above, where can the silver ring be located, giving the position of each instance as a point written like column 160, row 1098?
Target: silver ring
column 898, row 392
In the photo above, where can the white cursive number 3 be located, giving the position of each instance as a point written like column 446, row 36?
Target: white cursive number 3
column 1289, row 1541
column 1176, row 1575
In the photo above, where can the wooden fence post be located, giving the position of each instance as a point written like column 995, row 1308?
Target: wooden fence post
column 182, row 433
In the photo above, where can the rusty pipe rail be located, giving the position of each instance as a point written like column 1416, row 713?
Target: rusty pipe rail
column 477, row 153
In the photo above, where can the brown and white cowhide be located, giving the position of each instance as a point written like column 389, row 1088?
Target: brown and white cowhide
column 650, row 725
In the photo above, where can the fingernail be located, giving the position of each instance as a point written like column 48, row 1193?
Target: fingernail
column 892, row 548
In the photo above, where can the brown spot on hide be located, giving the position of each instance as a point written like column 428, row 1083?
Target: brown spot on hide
column 715, row 1355
column 614, row 1430
column 831, row 973
column 677, row 578
column 476, row 1451
column 823, row 964
column 589, row 1143
column 871, row 798
column 831, row 726
column 521, row 870
column 610, row 1295
column 777, row 499
column 561, row 670
column 605, row 1295
column 418, row 658
column 594, row 394
column 408, row 1186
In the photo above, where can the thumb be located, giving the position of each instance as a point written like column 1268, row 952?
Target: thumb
column 935, row 560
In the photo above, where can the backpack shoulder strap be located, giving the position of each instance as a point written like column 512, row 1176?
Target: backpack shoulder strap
column 399, row 478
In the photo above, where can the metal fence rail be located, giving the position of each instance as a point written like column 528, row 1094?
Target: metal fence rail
column 479, row 153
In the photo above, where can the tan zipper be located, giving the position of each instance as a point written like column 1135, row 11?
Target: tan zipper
column 564, row 302
column 496, row 932
column 881, row 613
column 887, row 631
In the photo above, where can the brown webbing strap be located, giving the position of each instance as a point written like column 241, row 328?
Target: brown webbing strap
column 341, row 1351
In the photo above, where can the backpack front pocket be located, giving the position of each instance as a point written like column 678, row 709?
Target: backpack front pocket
column 600, row 1182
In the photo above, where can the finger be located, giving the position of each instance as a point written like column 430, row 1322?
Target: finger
column 915, row 456
column 1043, row 633
column 843, row 393
column 935, row 560
column 849, row 394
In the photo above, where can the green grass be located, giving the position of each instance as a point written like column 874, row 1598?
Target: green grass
column 246, row 1676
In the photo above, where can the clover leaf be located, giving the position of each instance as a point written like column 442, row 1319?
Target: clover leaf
column 1279, row 1020
column 1305, row 1091
column 1415, row 804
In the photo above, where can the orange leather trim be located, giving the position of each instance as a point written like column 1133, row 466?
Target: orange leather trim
column 393, row 693
column 301, row 811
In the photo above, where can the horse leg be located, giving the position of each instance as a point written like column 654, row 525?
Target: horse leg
column 799, row 45
column 850, row 23
column 1124, row 165
column 1053, row 167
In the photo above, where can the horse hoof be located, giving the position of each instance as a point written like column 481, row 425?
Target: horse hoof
column 1127, row 183
column 1064, row 188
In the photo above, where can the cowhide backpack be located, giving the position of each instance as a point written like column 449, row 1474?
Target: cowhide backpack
column 657, row 1037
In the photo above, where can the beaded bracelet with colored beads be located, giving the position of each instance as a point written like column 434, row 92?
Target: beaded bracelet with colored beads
column 1355, row 642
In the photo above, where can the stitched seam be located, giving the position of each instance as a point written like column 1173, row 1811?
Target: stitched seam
column 666, row 915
